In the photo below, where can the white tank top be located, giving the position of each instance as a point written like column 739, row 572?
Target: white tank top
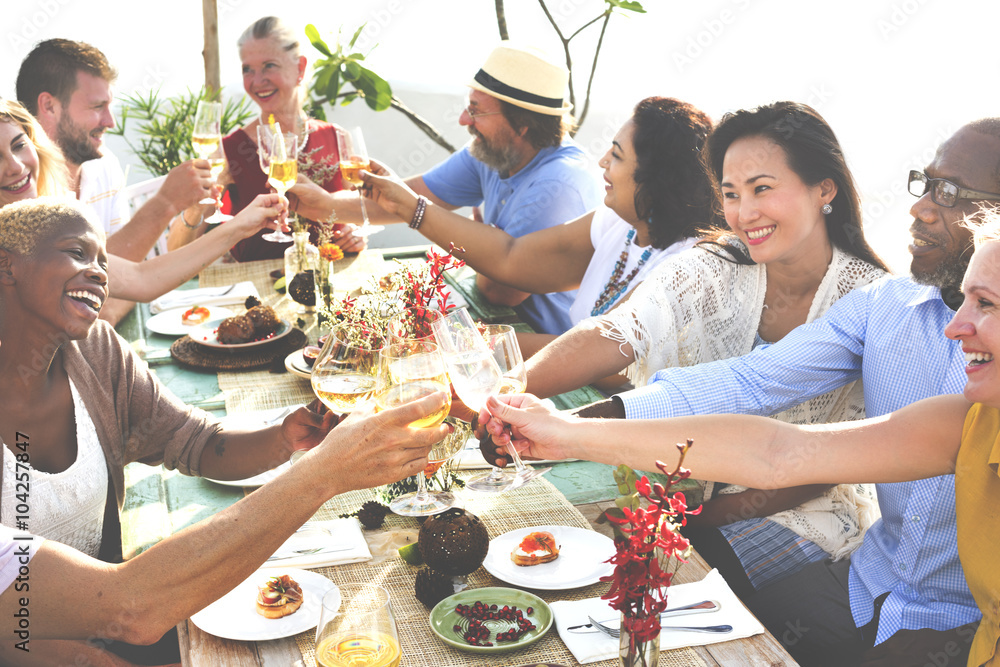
column 66, row 506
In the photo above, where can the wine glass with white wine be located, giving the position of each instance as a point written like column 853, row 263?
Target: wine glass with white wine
column 409, row 371
column 356, row 628
column 476, row 374
column 354, row 158
column 206, row 138
column 279, row 153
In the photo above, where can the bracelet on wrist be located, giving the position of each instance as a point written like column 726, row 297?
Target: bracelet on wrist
column 196, row 225
column 418, row 214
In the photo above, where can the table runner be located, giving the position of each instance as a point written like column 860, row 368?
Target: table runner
column 538, row 503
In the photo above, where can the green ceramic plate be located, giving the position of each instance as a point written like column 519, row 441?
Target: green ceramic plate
column 444, row 619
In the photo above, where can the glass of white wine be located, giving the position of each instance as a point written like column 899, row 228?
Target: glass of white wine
column 206, row 138
column 343, row 376
column 476, row 373
column 409, row 371
column 357, row 628
column 279, row 153
column 354, row 158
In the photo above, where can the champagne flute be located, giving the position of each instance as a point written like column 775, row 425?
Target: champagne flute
column 476, row 375
column 354, row 158
column 409, row 371
column 217, row 162
column 356, row 627
column 206, row 137
column 278, row 152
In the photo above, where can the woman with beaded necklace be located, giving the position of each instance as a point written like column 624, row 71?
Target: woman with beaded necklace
column 658, row 197
column 794, row 246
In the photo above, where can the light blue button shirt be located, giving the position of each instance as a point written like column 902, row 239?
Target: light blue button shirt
column 890, row 334
column 555, row 187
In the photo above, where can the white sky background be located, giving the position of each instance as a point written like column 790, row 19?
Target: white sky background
column 893, row 77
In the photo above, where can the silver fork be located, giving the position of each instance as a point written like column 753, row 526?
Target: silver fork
column 615, row 632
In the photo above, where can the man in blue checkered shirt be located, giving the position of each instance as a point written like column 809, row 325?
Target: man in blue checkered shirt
column 901, row 598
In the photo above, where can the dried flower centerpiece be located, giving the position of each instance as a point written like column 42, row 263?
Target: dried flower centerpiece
column 647, row 558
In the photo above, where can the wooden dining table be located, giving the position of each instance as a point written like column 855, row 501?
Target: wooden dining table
column 161, row 502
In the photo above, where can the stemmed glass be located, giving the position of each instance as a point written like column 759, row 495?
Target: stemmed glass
column 354, row 158
column 356, row 627
column 206, row 137
column 278, row 152
column 476, row 375
column 409, row 371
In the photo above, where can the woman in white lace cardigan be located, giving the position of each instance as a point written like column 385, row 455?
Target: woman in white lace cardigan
column 794, row 247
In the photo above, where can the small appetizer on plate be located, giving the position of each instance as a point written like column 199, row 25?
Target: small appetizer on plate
column 195, row 316
column 536, row 548
column 279, row 597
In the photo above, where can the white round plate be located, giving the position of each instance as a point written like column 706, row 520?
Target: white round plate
column 580, row 563
column 205, row 334
column 234, row 615
column 296, row 365
column 170, row 322
column 257, row 480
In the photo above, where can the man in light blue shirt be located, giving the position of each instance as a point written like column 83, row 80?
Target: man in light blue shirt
column 905, row 590
column 520, row 165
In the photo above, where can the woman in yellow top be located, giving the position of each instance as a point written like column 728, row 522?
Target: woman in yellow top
column 936, row 436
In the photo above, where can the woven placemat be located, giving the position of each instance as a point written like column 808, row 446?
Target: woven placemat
column 196, row 355
column 538, row 503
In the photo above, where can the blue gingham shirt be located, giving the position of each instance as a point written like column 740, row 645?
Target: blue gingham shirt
column 891, row 335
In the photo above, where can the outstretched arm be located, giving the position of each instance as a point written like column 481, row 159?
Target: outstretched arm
column 145, row 281
column 74, row 596
column 557, row 367
column 918, row 441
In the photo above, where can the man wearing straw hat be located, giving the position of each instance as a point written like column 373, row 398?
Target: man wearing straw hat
column 520, row 166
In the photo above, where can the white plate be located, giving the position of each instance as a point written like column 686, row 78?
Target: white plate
column 170, row 323
column 234, row 615
column 205, row 334
column 257, row 480
column 580, row 563
column 296, row 365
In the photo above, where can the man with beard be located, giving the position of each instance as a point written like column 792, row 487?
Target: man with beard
column 66, row 85
column 520, row 166
column 903, row 591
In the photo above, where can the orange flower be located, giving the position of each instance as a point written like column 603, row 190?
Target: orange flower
column 331, row 252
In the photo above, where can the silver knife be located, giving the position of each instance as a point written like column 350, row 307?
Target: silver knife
column 703, row 607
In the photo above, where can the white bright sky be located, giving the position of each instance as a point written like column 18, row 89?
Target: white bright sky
column 893, row 77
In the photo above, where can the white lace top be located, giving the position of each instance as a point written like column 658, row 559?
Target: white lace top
column 66, row 506
column 698, row 307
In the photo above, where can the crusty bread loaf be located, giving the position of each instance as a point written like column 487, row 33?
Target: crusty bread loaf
column 536, row 548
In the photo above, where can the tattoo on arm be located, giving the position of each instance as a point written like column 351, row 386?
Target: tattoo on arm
column 220, row 445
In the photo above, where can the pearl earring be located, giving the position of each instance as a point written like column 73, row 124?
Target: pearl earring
column 827, row 209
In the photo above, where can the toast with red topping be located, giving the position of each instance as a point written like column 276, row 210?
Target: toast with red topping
column 536, row 548
column 280, row 596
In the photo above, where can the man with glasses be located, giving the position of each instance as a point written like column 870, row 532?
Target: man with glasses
column 520, row 166
column 903, row 591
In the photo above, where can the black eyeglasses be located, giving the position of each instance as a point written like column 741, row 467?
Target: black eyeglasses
column 944, row 193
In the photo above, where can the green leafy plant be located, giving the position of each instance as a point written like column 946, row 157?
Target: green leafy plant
column 340, row 66
column 164, row 126
column 625, row 478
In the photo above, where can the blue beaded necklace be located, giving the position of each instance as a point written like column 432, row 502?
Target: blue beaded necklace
column 614, row 288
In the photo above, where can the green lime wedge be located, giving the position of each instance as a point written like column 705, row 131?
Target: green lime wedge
column 411, row 554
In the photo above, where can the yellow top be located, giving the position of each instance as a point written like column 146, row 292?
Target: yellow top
column 977, row 503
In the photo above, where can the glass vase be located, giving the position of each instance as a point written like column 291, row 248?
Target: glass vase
column 301, row 262
column 635, row 653
column 324, row 293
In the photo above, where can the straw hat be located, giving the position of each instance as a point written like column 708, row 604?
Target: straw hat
column 525, row 77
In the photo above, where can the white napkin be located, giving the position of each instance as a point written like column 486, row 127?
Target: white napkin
column 343, row 532
column 596, row 646
column 203, row 296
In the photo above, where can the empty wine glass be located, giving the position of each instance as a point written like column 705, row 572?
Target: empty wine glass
column 278, row 152
column 354, row 158
column 476, row 374
column 356, row 627
column 409, row 371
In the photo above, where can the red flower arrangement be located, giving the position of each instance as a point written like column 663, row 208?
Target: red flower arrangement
column 651, row 544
